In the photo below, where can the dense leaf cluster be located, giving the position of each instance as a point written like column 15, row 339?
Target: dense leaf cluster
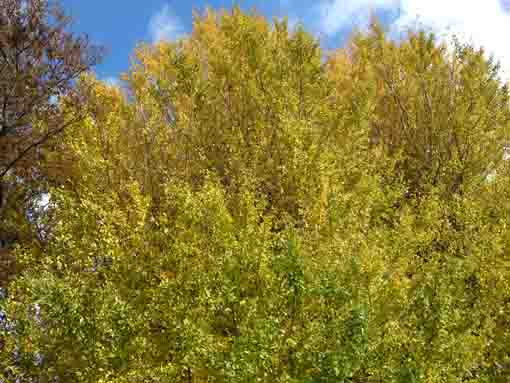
column 249, row 209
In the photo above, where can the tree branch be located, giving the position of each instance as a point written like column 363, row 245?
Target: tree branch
column 35, row 144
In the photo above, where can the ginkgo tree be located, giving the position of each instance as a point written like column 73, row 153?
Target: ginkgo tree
column 442, row 109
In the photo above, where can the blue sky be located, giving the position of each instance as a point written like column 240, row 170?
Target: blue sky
column 121, row 24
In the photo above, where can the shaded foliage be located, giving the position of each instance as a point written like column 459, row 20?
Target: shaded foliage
column 39, row 63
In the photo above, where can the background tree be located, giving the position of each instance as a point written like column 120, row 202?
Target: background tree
column 39, row 62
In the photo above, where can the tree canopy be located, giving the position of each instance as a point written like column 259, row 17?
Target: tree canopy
column 40, row 60
column 250, row 208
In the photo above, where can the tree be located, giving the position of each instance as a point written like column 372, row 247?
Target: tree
column 241, row 98
column 440, row 109
column 39, row 62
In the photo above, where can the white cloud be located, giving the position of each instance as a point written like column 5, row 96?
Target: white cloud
column 337, row 14
column 484, row 23
column 165, row 25
column 42, row 202
column 112, row 81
